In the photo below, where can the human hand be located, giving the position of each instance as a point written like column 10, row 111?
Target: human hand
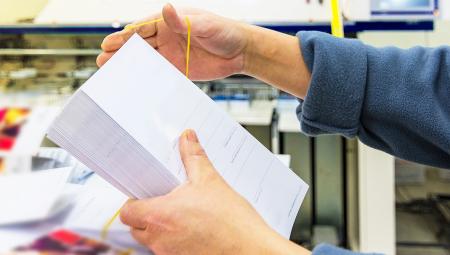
column 217, row 43
column 202, row 216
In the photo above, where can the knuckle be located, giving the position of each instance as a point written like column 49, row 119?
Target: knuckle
column 149, row 220
column 195, row 159
column 98, row 60
column 154, row 226
column 200, row 151
column 123, row 39
column 139, row 29
column 211, row 177
column 153, row 217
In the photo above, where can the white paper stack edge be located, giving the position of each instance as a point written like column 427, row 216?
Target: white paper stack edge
column 125, row 121
column 101, row 144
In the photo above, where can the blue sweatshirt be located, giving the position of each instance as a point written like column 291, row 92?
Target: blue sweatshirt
column 394, row 100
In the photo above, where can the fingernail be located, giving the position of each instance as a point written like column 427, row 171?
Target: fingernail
column 191, row 136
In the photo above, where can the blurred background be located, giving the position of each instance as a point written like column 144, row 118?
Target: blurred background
column 359, row 198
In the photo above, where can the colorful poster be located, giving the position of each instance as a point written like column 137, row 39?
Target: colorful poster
column 22, row 130
column 64, row 242
column 11, row 122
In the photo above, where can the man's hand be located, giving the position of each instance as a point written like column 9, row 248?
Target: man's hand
column 217, row 44
column 202, row 216
column 221, row 47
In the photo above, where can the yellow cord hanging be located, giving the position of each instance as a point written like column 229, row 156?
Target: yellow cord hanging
column 337, row 28
column 107, row 226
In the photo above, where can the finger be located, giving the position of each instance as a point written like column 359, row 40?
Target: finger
column 194, row 158
column 152, row 41
column 173, row 20
column 114, row 41
column 146, row 27
column 136, row 213
column 103, row 58
column 200, row 24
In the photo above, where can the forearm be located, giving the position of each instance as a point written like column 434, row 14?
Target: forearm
column 276, row 59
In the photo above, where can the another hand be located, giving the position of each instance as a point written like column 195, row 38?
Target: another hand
column 202, row 216
column 217, row 43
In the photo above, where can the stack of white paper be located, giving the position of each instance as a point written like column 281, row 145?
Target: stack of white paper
column 125, row 121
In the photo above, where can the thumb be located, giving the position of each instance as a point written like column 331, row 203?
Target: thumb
column 172, row 19
column 178, row 23
column 194, row 158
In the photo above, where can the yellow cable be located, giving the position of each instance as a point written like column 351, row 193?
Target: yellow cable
column 337, row 28
column 107, row 226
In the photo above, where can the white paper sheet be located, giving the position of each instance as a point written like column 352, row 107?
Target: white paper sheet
column 285, row 158
column 32, row 196
column 125, row 121
column 96, row 204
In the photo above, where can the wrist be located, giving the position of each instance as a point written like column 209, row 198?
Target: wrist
column 276, row 59
column 264, row 49
column 252, row 52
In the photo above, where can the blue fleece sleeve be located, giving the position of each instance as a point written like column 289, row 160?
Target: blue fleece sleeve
column 326, row 249
column 394, row 100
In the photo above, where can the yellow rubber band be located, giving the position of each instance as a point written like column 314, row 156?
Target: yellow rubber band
column 133, row 26
column 188, row 46
column 107, row 226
